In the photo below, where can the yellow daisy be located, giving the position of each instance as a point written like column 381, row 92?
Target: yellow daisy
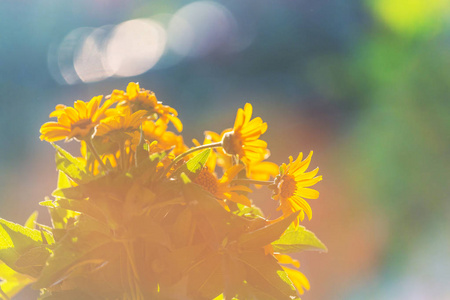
column 292, row 187
column 262, row 170
column 141, row 99
column 75, row 122
column 219, row 156
column 157, row 131
column 243, row 139
column 120, row 122
column 221, row 188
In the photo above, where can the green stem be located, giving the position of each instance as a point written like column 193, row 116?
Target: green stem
column 252, row 181
column 123, row 156
column 94, row 152
column 234, row 160
column 179, row 157
column 139, row 146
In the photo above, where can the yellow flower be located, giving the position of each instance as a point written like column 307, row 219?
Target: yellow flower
column 243, row 139
column 219, row 156
column 221, row 189
column 292, row 186
column 75, row 122
column 157, row 131
column 298, row 279
column 262, row 170
column 120, row 122
column 257, row 170
column 141, row 99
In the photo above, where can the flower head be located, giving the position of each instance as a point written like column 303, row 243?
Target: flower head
column 157, row 131
column 221, row 188
column 141, row 99
column 292, row 187
column 120, row 122
column 75, row 122
column 243, row 139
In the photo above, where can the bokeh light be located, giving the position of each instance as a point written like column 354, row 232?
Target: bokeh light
column 135, row 47
column 89, row 59
column 201, row 28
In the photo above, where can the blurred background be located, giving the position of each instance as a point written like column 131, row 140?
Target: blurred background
column 365, row 84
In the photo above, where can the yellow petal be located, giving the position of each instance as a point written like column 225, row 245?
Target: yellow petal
column 239, row 119
column 286, row 259
column 307, row 193
column 80, row 106
column 132, row 90
column 298, row 279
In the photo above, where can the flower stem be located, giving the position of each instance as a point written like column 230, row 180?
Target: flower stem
column 179, row 157
column 94, row 152
column 252, row 181
column 123, row 156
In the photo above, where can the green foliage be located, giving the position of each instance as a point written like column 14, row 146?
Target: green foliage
column 135, row 222
column 296, row 240
column 23, row 253
column 71, row 166
column 195, row 164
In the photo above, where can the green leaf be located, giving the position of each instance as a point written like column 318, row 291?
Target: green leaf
column 250, row 212
column 212, row 220
column 265, row 274
column 75, row 192
column 234, row 275
column 180, row 260
column 81, row 206
column 13, row 281
column 298, row 239
column 63, row 181
column 183, row 228
column 31, row 221
column 145, row 227
column 76, row 247
column 71, row 166
column 47, row 233
column 47, row 203
column 195, row 164
column 36, row 256
column 59, row 215
column 266, row 235
column 145, row 169
column 16, row 240
column 185, row 178
column 205, row 279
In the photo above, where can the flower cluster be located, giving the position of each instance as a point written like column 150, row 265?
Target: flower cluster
column 140, row 215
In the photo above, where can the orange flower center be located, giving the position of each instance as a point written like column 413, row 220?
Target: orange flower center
column 232, row 143
column 207, row 180
column 287, row 186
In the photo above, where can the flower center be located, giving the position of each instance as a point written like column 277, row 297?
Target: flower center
column 287, row 186
column 207, row 180
column 232, row 143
